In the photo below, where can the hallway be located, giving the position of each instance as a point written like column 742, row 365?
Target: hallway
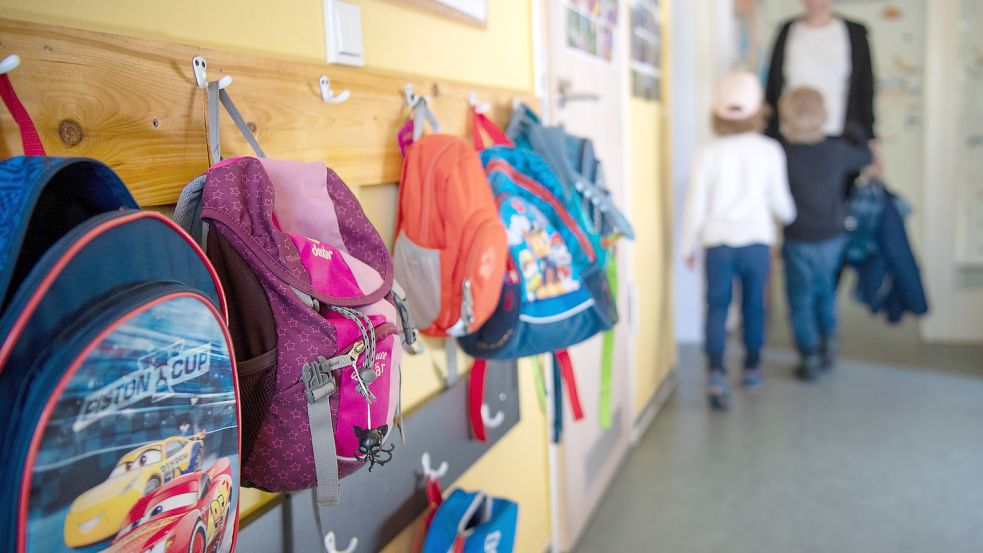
column 874, row 458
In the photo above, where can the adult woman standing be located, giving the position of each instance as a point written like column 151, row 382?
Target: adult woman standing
column 831, row 54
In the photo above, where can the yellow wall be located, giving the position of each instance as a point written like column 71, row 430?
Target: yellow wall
column 398, row 39
column 651, row 269
column 650, row 212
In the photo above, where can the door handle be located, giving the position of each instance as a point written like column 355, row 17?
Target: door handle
column 565, row 95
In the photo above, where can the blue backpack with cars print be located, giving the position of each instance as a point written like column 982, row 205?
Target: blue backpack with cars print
column 119, row 418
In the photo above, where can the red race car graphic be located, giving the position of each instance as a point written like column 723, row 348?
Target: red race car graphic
column 188, row 515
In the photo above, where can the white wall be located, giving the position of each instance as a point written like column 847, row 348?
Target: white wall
column 701, row 53
column 955, row 295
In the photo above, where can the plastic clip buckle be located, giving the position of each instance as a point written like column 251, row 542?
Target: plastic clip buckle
column 318, row 381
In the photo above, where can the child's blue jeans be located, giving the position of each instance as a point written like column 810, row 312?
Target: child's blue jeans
column 724, row 264
column 810, row 285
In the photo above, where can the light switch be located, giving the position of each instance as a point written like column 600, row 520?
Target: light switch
column 343, row 33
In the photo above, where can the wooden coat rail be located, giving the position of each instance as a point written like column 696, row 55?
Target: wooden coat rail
column 133, row 104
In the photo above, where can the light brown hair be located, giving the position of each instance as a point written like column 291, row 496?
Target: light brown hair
column 803, row 115
column 756, row 123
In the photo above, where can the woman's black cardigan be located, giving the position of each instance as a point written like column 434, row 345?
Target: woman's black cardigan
column 860, row 98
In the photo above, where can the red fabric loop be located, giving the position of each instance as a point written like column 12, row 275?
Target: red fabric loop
column 434, row 497
column 570, row 380
column 476, row 397
column 479, row 122
column 28, row 133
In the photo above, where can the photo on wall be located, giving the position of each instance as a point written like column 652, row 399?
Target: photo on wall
column 591, row 27
column 646, row 50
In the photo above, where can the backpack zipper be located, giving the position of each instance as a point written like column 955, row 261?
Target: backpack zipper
column 427, row 192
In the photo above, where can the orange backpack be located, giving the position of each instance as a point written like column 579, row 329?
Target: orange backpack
column 450, row 250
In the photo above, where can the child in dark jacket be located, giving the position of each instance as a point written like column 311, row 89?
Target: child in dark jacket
column 818, row 168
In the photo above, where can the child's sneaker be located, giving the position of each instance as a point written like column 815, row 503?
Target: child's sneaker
column 751, row 379
column 809, row 367
column 718, row 391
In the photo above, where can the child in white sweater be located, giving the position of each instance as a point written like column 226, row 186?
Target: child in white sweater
column 739, row 186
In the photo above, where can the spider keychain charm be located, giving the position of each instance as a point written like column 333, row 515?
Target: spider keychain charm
column 370, row 446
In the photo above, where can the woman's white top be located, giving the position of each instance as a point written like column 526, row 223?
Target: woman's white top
column 739, row 186
column 820, row 57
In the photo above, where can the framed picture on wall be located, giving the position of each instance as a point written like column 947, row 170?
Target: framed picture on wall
column 646, row 49
column 591, row 25
column 474, row 12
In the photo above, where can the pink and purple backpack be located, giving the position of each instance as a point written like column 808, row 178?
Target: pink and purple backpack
column 313, row 318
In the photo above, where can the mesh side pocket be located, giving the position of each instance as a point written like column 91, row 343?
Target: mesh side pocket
column 257, row 380
column 254, row 338
column 417, row 269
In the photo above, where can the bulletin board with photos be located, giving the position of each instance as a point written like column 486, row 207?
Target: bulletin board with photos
column 591, row 27
column 646, row 49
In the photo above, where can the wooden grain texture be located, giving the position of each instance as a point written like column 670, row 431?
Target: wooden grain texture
column 139, row 111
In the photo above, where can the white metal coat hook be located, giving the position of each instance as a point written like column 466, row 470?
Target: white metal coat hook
column 489, row 420
column 328, row 95
column 330, row 547
column 480, row 107
column 9, row 63
column 429, row 472
column 201, row 74
column 411, row 98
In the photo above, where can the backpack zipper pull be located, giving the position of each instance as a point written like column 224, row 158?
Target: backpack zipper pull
column 357, row 349
column 366, row 375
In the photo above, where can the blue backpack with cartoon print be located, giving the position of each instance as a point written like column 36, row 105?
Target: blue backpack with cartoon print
column 119, row 419
column 556, row 291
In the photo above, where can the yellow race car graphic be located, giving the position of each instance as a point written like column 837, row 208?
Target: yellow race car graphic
column 98, row 513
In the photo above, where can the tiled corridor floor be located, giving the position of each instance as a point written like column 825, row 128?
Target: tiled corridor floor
column 880, row 456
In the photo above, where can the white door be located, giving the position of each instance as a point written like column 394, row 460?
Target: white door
column 586, row 92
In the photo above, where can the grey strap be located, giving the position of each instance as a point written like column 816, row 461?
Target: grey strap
column 450, row 350
column 408, row 331
column 213, row 97
column 325, row 453
column 211, row 124
column 421, row 112
column 319, row 385
column 240, row 122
